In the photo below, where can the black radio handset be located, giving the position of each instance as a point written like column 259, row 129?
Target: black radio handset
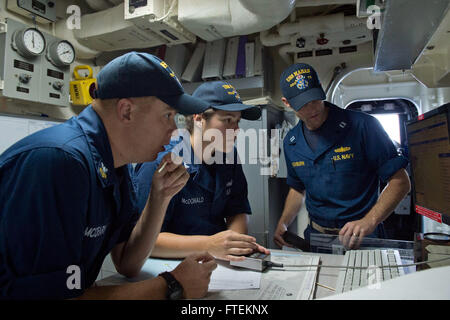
column 296, row 241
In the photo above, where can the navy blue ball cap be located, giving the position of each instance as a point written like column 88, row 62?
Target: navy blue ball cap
column 223, row 96
column 300, row 85
column 139, row 74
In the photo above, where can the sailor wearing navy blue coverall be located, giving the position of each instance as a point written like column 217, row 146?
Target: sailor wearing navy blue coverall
column 210, row 212
column 336, row 158
column 67, row 200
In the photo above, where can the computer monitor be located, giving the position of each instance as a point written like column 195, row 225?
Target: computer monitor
column 429, row 155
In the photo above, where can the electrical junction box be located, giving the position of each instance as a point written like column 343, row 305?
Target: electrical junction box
column 152, row 9
column 34, row 65
column 43, row 10
column 82, row 88
column 108, row 31
column 132, row 25
column 362, row 7
column 155, row 16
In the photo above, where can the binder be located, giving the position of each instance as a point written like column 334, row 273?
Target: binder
column 194, row 67
column 229, row 68
column 177, row 57
column 240, row 64
column 214, row 59
column 249, row 59
column 259, row 58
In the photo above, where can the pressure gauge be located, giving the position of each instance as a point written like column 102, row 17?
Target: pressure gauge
column 29, row 42
column 61, row 53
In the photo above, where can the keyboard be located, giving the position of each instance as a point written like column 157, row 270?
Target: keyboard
column 373, row 267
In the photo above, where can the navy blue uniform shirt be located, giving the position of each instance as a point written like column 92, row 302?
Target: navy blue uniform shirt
column 342, row 176
column 62, row 204
column 212, row 193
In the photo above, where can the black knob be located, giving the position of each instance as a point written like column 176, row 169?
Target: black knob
column 58, row 85
column 24, row 78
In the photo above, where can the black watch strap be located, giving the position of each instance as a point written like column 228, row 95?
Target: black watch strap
column 174, row 288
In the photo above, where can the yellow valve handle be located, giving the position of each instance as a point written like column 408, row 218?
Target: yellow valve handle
column 81, row 67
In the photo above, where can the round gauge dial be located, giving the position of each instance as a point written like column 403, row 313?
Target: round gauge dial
column 29, row 42
column 61, row 53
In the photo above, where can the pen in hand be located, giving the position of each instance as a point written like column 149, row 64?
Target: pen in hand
column 162, row 168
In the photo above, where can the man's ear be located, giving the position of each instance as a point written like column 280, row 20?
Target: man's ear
column 286, row 103
column 124, row 107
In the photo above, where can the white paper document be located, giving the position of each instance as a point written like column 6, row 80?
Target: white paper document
column 228, row 278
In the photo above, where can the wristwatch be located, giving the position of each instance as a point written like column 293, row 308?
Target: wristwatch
column 174, row 288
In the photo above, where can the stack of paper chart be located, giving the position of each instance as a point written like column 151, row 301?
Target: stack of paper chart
column 291, row 283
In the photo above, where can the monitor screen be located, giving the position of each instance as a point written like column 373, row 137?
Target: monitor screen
column 429, row 155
